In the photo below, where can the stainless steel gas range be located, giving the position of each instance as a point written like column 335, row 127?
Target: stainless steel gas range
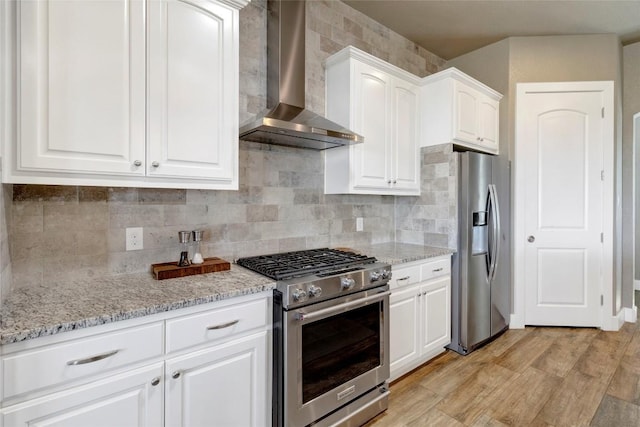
column 330, row 336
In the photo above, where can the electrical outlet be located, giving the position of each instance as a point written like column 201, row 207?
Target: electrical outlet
column 134, row 238
column 359, row 224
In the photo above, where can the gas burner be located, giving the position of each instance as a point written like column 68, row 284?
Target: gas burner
column 287, row 265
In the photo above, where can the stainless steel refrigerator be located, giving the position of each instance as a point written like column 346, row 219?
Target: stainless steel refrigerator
column 481, row 276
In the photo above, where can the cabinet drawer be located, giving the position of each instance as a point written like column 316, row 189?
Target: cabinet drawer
column 215, row 324
column 436, row 268
column 47, row 366
column 404, row 276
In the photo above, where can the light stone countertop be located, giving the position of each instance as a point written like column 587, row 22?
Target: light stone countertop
column 400, row 253
column 38, row 311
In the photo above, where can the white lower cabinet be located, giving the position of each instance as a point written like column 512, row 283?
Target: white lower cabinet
column 126, row 400
column 219, row 386
column 217, row 376
column 420, row 317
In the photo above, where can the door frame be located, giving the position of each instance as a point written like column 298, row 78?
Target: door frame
column 609, row 320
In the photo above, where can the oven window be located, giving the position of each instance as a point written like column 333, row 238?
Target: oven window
column 340, row 348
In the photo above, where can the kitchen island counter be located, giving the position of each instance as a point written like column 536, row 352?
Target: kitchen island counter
column 36, row 311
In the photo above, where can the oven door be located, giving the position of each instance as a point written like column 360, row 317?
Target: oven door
column 334, row 352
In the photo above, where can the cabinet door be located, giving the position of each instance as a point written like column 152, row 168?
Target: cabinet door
column 466, row 113
column 220, row 386
column 81, row 86
column 371, row 115
column 488, row 123
column 436, row 306
column 126, row 400
column 193, row 90
column 403, row 327
column 404, row 141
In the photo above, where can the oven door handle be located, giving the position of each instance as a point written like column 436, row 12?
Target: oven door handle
column 341, row 307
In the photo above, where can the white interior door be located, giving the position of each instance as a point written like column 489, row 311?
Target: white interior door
column 562, row 137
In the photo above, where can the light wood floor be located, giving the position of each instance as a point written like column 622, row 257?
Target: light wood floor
column 530, row 377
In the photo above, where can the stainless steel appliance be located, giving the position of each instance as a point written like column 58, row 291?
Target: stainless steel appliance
column 287, row 122
column 330, row 336
column 481, row 276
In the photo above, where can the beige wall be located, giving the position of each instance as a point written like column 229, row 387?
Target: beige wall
column 631, row 106
column 559, row 58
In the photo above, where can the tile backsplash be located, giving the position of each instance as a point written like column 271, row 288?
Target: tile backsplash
column 432, row 217
column 62, row 231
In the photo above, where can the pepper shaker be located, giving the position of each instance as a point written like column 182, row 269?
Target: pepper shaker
column 184, row 237
column 197, row 238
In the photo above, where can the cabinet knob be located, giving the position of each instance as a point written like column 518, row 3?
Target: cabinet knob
column 155, row 164
column 155, row 381
column 394, row 181
column 176, row 375
column 389, row 182
column 137, row 163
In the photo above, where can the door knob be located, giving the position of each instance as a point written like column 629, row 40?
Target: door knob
column 531, row 239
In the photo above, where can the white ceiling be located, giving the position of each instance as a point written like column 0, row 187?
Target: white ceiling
column 450, row 28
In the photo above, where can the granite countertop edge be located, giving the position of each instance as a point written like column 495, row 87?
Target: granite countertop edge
column 20, row 320
column 114, row 299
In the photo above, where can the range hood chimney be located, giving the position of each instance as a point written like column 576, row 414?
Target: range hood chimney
column 288, row 122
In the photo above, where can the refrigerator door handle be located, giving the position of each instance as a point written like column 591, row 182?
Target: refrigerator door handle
column 495, row 217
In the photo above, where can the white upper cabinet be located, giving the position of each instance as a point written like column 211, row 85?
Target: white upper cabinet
column 380, row 102
column 455, row 108
column 127, row 93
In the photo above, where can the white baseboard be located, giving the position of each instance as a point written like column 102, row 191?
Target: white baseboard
column 614, row 323
column 516, row 321
column 631, row 314
column 636, row 285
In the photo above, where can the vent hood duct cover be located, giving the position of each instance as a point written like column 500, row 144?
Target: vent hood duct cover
column 288, row 122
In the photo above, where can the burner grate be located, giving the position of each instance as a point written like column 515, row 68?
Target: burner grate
column 302, row 263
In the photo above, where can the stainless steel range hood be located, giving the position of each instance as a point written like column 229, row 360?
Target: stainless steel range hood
column 287, row 122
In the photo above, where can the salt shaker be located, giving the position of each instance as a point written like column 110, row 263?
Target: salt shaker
column 197, row 238
column 184, row 237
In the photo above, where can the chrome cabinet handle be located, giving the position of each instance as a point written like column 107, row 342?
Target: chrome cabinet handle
column 155, row 381
column 531, row 239
column 404, row 278
column 92, row 358
column 155, row 164
column 223, row 325
column 137, row 163
column 175, row 375
column 437, row 269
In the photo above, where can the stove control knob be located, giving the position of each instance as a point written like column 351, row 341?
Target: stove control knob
column 386, row 274
column 299, row 295
column 314, row 291
column 347, row 283
column 375, row 276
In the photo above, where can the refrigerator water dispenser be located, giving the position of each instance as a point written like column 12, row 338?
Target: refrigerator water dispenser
column 479, row 236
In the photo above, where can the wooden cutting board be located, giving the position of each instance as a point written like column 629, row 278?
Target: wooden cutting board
column 171, row 270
